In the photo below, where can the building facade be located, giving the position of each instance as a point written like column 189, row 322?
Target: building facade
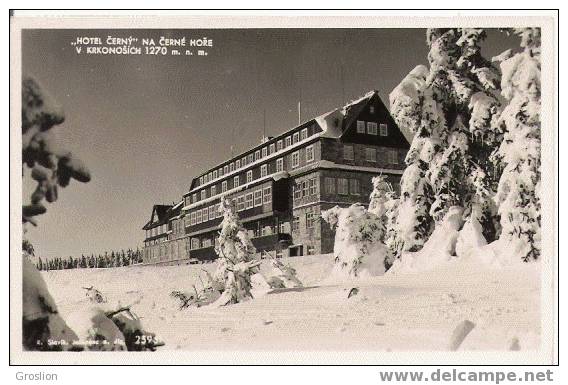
column 281, row 186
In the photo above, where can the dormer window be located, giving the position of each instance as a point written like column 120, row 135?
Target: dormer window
column 296, row 138
column 226, row 169
column 257, row 155
column 250, row 158
column 304, row 134
column 232, row 167
column 215, row 174
column 279, row 145
column 271, row 149
column 264, row 152
column 288, row 141
column 238, row 164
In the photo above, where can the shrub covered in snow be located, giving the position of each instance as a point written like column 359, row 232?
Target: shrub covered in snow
column 358, row 249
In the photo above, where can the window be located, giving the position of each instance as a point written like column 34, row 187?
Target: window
column 224, row 186
column 203, row 194
column 305, row 188
column 258, row 198
column 192, row 219
column 236, row 181
column 371, row 128
column 348, row 153
column 310, row 153
column 384, row 129
column 310, row 220
column 329, row 185
column 198, row 216
column 267, row 195
column 296, row 224
column 241, row 203
column 372, row 109
column 279, row 145
column 279, row 164
column 271, row 149
column 232, row 167
column 205, row 214
column 238, row 164
column 295, row 137
column 218, row 210
column 342, row 186
column 213, row 190
column 248, row 201
column 221, row 171
column 195, row 197
column 312, row 186
column 263, row 170
column 244, row 161
column 354, row 186
column 393, row 156
column 200, row 180
column 215, row 174
column 360, row 127
column 297, row 191
column 264, row 152
column 288, row 141
column 226, row 170
column 370, row 154
column 250, row 158
column 212, row 212
column 295, row 159
column 304, row 134
column 195, row 243
column 257, row 155
column 206, row 242
column 210, row 176
column 249, row 176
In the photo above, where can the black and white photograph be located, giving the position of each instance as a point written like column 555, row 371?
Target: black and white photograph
column 334, row 190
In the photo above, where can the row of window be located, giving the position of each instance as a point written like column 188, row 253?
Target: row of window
column 371, row 128
column 342, row 186
column 372, row 155
column 264, row 171
column 253, row 157
column 305, row 188
column 244, row 202
column 156, row 231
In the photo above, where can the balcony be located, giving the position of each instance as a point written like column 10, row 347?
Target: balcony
column 269, row 242
column 203, row 254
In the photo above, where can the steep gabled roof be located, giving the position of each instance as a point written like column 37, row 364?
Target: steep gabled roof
column 159, row 216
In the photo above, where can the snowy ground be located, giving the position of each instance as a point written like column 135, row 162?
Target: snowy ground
column 390, row 313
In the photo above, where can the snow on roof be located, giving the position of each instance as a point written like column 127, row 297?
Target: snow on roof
column 331, row 123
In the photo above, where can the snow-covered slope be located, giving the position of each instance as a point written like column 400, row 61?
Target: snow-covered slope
column 397, row 312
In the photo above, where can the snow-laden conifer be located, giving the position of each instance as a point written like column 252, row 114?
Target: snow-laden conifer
column 518, row 194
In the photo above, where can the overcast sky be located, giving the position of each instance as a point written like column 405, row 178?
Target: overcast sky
column 145, row 125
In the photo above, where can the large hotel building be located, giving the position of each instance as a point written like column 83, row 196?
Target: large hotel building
column 281, row 185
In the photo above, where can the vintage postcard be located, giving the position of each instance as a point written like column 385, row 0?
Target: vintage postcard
column 284, row 189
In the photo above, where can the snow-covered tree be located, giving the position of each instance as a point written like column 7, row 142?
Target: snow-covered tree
column 282, row 276
column 236, row 262
column 384, row 204
column 518, row 194
column 358, row 246
column 450, row 108
column 51, row 167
